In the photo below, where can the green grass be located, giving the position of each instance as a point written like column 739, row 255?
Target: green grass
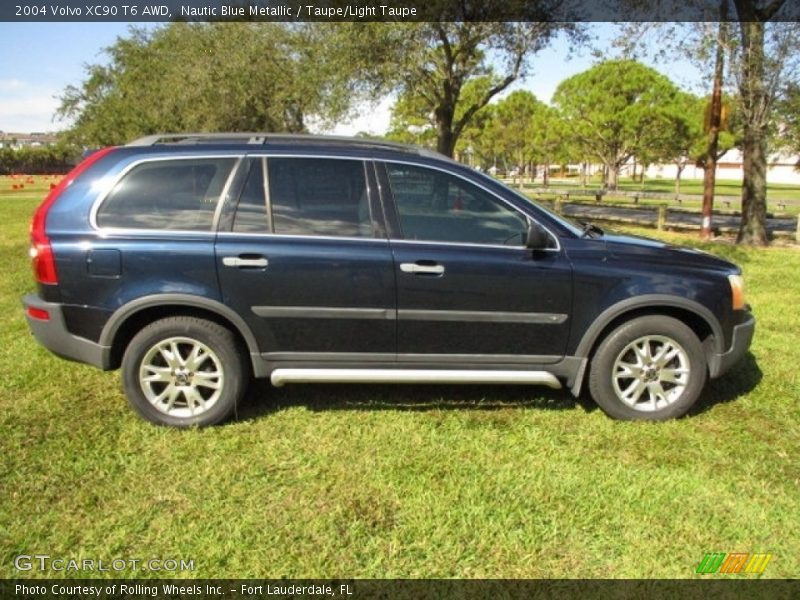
column 380, row 481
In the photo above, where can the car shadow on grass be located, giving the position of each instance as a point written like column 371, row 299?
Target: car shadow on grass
column 743, row 377
column 263, row 399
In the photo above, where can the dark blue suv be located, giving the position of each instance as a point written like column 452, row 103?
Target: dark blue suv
column 195, row 261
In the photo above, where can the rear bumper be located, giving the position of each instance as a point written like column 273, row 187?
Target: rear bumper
column 742, row 336
column 53, row 335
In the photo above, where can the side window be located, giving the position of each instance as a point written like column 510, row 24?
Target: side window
column 167, row 194
column 439, row 207
column 251, row 212
column 318, row 196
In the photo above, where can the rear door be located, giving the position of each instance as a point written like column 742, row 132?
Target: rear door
column 303, row 257
column 467, row 288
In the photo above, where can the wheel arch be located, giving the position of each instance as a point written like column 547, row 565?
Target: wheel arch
column 693, row 314
column 132, row 317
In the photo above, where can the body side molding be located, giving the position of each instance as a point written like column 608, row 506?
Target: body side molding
column 123, row 313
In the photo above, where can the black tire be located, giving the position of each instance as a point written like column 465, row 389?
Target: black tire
column 199, row 387
column 654, row 392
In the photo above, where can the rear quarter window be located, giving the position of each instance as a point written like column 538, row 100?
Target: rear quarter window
column 167, row 195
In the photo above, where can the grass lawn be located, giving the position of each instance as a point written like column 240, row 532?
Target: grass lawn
column 380, row 481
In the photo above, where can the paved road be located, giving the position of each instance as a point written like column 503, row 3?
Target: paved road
column 675, row 218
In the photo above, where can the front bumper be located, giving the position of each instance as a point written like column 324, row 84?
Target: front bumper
column 53, row 335
column 742, row 336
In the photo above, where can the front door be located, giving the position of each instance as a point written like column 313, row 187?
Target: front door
column 467, row 288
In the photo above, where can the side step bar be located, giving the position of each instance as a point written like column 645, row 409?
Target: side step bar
column 280, row 377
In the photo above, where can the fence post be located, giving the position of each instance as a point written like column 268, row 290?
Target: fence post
column 662, row 218
column 557, row 205
column 797, row 232
column 598, row 196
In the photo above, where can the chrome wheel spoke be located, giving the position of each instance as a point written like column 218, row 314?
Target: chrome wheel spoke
column 197, row 357
column 194, row 400
column 628, row 370
column 642, row 351
column 666, row 355
column 207, row 379
column 656, row 393
column 170, row 356
column 677, row 376
column 174, row 392
column 157, row 374
column 633, row 392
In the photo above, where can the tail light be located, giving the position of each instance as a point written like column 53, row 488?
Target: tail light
column 44, row 263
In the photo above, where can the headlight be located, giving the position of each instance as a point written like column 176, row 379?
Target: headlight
column 737, row 291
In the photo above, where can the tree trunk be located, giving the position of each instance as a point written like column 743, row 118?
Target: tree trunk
column 612, row 177
column 753, row 228
column 714, row 126
column 678, row 173
column 445, row 139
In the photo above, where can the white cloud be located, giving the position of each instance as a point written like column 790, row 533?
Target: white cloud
column 25, row 107
column 11, row 85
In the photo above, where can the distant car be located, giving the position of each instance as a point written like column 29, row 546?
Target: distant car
column 195, row 261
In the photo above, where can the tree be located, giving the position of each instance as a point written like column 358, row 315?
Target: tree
column 759, row 76
column 435, row 62
column 205, row 77
column 788, row 117
column 513, row 122
column 411, row 124
column 547, row 132
column 763, row 56
column 619, row 109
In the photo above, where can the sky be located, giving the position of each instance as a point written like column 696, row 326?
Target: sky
column 39, row 60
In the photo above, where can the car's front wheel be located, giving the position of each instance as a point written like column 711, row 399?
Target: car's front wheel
column 651, row 368
column 184, row 371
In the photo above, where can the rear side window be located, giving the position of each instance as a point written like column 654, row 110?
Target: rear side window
column 168, row 195
column 318, row 196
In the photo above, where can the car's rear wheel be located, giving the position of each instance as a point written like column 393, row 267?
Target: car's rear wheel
column 184, row 371
column 649, row 368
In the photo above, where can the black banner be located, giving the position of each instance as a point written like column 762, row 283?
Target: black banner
column 380, row 10
column 360, row 589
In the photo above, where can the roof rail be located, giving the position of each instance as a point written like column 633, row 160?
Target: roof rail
column 263, row 138
column 198, row 138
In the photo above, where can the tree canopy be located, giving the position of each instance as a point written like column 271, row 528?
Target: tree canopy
column 437, row 68
column 619, row 109
column 205, row 77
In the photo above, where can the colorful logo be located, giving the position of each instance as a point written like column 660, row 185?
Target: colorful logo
column 731, row 564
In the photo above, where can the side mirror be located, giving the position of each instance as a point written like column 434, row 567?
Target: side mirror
column 537, row 238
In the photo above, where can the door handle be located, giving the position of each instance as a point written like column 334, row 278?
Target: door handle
column 235, row 261
column 416, row 269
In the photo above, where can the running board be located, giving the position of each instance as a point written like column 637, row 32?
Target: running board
column 280, row 377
